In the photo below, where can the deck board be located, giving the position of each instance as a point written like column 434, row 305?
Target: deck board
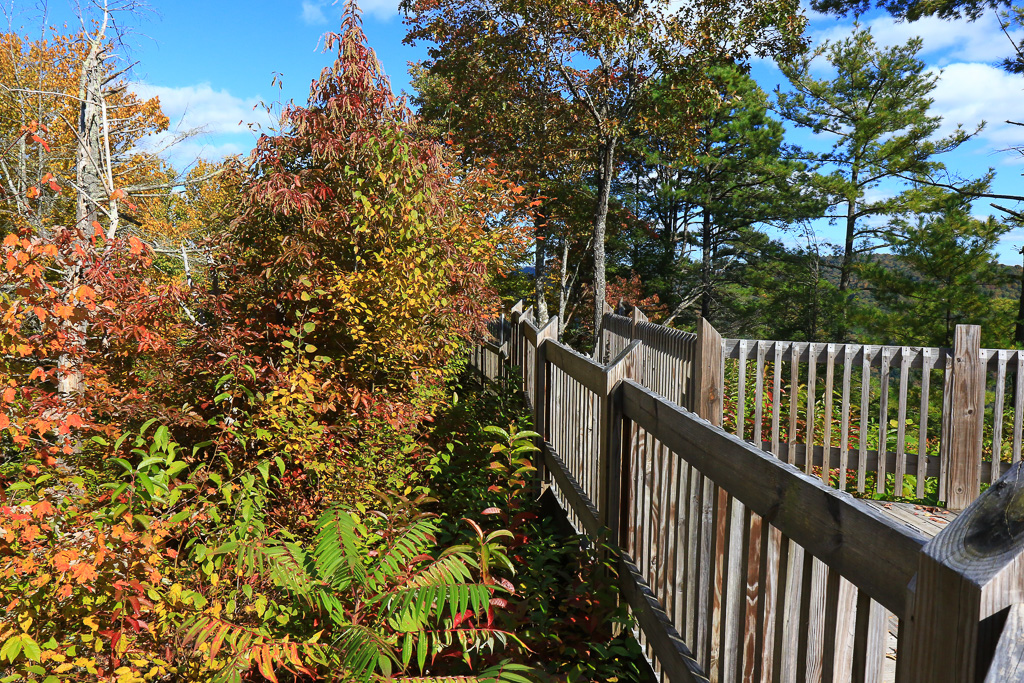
column 929, row 521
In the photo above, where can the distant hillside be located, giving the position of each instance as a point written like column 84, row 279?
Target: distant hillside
column 1006, row 284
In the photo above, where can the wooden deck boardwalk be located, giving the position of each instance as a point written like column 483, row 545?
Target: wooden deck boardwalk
column 927, row 519
column 930, row 521
column 739, row 560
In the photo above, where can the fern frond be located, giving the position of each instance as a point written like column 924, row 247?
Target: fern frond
column 336, row 554
column 410, row 542
column 363, row 651
column 246, row 646
column 287, row 564
column 504, row 672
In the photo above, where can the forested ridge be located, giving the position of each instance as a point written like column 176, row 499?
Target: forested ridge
column 238, row 438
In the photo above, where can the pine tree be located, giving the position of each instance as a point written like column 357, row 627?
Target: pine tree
column 876, row 112
column 945, row 262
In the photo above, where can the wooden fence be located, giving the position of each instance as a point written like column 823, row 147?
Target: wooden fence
column 738, row 565
column 867, row 415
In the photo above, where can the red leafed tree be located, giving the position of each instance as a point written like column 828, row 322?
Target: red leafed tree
column 369, row 242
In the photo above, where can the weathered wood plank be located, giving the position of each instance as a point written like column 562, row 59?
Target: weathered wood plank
column 1018, row 407
column 922, row 435
column 675, row 658
column 967, row 402
column 794, row 393
column 812, row 389
column 901, row 422
column 997, row 415
column 844, row 438
column 864, row 425
column 871, row 552
column 1008, row 661
column 579, row 367
column 971, row 571
column 710, row 380
column 776, row 396
column 759, row 392
column 741, row 390
column 826, row 438
column 572, row 491
column 883, row 417
column 869, row 641
column 801, row 351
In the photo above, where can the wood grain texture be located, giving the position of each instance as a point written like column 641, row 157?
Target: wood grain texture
column 966, row 404
column 872, row 552
column 674, row 657
column 710, row 380
column 1008, row 662
column 969, row 572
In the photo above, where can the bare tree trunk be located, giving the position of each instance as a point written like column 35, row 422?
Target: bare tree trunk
column 90, row 155
column 705, row 266
column 540, row 267
column 600, row 221
column 563, row 287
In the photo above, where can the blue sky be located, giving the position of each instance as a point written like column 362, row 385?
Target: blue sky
column 212, row 64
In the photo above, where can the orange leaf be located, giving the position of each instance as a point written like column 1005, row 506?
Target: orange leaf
column 10, row 394
column 5, row 421
column 136, row 245
column 84, row 571
column 42, row 509
column 32, row 192
column 37, row 373
column 11, row 240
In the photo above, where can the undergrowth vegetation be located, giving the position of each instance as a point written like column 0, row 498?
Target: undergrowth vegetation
column 260, row 470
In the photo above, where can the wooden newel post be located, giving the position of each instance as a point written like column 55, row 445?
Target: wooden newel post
column 516, row 350
column 967, row 406
column 968, row 578
column 610, row 460
column 542, row 394
column 710, row 381
column 637, row 316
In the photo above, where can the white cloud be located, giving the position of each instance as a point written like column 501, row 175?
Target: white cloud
column 313, row 13
column 200, row 106
column 968, row 93
column 316, row 12
column 227, row 124
column 942, row 41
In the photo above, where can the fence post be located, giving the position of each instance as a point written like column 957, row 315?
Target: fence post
column 610, row 460
column 710, row 380
column 541, row 395
column 638, row 317
column 968, row 577
column 966, row 407
column 516, row 355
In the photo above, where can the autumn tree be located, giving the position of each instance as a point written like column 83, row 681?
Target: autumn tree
column 875, row 111
column 369, row 242
column 598, row 60
column 513, row 127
